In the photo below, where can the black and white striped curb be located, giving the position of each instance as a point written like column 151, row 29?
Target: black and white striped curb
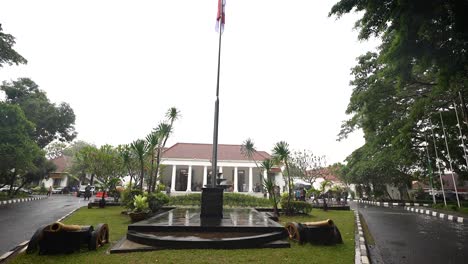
column 388, row 204
column 22, row 200
column 23, row 245
column 362, row 256
column 444, row 216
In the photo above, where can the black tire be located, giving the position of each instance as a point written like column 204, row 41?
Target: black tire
column 35, row 239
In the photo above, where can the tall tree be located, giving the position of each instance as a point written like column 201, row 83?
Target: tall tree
column 140, row 149
column 152, row 140
column 20, row 157
column 307, row 166
column 269, row 184
column 282, row 154
column 7, row 54
column 51, row 122
column 162, row 131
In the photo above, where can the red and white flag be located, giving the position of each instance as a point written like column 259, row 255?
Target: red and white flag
column 220, row 18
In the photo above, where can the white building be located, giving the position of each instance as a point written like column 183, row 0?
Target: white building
column 60, row 177
column 187, row 166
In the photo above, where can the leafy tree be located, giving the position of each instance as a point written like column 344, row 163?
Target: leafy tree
column 417, row 76
column 7, row 54
column 129, row 161
column 55, row 149
column 20, row 157
column 75, row 147
column 282, row 154
column 51, row 122
column 307, row 166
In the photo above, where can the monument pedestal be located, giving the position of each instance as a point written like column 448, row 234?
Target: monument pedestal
column 212, row 203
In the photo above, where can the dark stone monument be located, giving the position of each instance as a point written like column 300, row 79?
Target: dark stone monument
column 212, row 202
column 212, row 199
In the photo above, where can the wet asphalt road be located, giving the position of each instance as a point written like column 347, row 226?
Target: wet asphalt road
column 19, row 221
column 405, row 237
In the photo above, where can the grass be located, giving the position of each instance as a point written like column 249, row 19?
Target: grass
column 4, row 196
column 118, row 226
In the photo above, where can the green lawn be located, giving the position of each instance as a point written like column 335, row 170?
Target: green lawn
column 118, row 226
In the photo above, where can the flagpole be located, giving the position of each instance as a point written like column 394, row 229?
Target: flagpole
column 461, row 134
column 450, row 160
column 437, row 163
column 214, row 168
column 430, row 169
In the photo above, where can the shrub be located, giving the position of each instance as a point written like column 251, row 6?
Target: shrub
column 140, row 203
column 229, row 199
column 128, row 196
column 297, row 207
column 156, row 201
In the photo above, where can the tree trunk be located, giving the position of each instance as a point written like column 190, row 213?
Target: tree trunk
column 288, row 210
column 463, row 107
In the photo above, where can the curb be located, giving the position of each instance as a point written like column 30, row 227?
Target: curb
column 444, row 216
column 387, row 204
column 22, row 200
column 361, row 254
column 24, row 244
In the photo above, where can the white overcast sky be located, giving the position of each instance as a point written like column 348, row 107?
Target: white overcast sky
column 285, row 68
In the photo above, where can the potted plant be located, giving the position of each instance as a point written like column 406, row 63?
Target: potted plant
column 141, row 209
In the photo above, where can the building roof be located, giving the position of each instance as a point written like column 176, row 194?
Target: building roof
column 62, row 163
column 205, row 152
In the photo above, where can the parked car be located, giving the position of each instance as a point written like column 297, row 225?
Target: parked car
column 56, row 190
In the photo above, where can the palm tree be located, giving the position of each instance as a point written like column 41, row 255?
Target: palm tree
column 248, row 150
column 140, row 148
column 127, row 160
column 163, row 132
column 269, row 184
column 281, row 154
column 152, row 140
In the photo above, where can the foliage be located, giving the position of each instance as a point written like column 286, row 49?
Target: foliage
column 51, row 122
column 282, row 154
column 229, row 199
column 140, row 148
column 22, row 161
column 127, row 197
column 7, row 54
column 140, row 203
column 298, row 207
column 307, row 166
column 269, row 184
column 402, row 91
column 157, row 200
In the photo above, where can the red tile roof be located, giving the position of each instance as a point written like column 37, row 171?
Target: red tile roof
column 205, row 151
column 62, row 163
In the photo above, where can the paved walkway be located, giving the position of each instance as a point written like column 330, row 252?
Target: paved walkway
column 19, row 221
column 405, row 237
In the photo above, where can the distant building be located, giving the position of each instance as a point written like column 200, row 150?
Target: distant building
column 187, row 166
column 60, row 177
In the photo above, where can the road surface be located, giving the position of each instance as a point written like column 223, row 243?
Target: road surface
column 407, row 237
column 19, row 221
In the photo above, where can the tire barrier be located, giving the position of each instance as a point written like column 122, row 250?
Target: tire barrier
column 322, row 232
column 61, row 238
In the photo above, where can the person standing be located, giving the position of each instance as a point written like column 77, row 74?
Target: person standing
column 49, row 192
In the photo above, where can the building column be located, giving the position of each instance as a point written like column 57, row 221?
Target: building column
column 174, row 168
column 235, row 180
column 189, row 180
column 205, row 173
column 250, row 180
column 265, row 177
